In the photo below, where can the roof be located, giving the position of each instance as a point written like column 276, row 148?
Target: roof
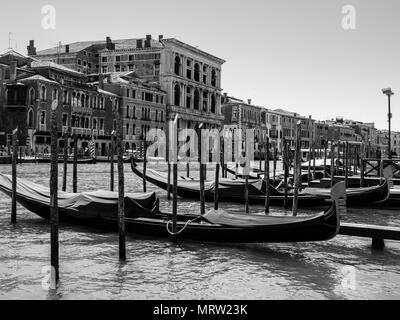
column 76, row 47
column 107, row 93
column 196, row 49
column 39, row 78
column 47, row 64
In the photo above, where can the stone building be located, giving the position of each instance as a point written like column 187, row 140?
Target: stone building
column 28, row 88
column 239, row 114
column 190, row 77
column 143, row 105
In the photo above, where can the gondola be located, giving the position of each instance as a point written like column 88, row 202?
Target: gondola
column 233, row 191
column 99, row 210
column 230, row 190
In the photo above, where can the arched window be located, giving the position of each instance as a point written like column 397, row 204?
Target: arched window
column 127, row 129
column 213, row 103
column 94, row 124
column 188, row 97
column 213, row 78
column 87, row 123
column 196, row 99
column 177, row 65
column 83, row 101
column 177, row 95
column 30, row 118
column 31, row 96
column 43, row 93
column 55, row 94
column 128, row 109
column 197, row 72
column 95, row 102
column 65, row 120
column 87, row 101
column 43, row 117
column 134, row 112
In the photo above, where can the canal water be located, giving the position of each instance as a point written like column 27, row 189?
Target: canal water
column 343, row 268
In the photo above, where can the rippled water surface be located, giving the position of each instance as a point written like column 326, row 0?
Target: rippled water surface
column 158, row 269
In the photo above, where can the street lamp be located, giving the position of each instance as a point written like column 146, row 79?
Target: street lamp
column 388, row 92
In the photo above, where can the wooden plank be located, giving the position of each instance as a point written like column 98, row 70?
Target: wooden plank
column 370, row 231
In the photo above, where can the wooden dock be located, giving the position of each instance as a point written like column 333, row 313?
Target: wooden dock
column 378, row 234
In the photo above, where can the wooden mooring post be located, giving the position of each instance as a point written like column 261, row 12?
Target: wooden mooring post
column 286, row 167
column 267, row 177
column 145, row 166
column 309, row 167
column 297, row 174
column 332, row 163
column 54, row 219
column 216, row 182
column 275, row 160
column 14, row 177
column 202, row 184
column 112, row 153
column 175, row 180
column 346, row 163
column 121, row 189
column 325, row 156
column 75, row 166
column 65, row 162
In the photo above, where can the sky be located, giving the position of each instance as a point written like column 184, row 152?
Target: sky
column 294, row 55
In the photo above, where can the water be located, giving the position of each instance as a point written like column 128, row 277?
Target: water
column 158, row 269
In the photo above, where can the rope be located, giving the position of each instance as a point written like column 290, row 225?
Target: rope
column 184, row 227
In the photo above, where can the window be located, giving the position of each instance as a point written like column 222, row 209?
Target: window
column 128, row 92
column 196, row 72
column 213, row 78
column 65, row 120
column 104, row 59
column 31, row 96
column 133, row 94
column 43, row 93
column 196, row 99
column 94, row 123
column 177, row 95
column 79, row 61
column 104, row 69
column 177, row 65
column 118, row 58
column 42, row 117
column 131, row 57
column 30, row 119
column 213, row 103
column 128, row 109
column 117, row 68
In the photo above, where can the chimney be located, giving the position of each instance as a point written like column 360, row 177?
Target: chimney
column 31, row 48
column 248, row 101
column 147, row 43
column 139, row 44
column 2, row 76
column 109, row 44
column 67, row 48
column 13, row 71
column 101, row 81
column 160, row 37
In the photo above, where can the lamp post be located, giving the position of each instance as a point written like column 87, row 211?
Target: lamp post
column 388, row 92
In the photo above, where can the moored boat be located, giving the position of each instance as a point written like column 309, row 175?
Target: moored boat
column 99, row 210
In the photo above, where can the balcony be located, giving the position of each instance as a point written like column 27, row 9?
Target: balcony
column 101, row 133
column 81, row 110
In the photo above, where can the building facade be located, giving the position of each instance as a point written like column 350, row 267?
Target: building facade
column 191, row 78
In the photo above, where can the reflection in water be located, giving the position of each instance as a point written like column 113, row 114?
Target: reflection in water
column 159, row 269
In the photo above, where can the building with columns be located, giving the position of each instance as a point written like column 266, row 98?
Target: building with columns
column 190, row 77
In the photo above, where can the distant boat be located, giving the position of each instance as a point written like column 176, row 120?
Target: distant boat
column 99, row 210
column 233, row 191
